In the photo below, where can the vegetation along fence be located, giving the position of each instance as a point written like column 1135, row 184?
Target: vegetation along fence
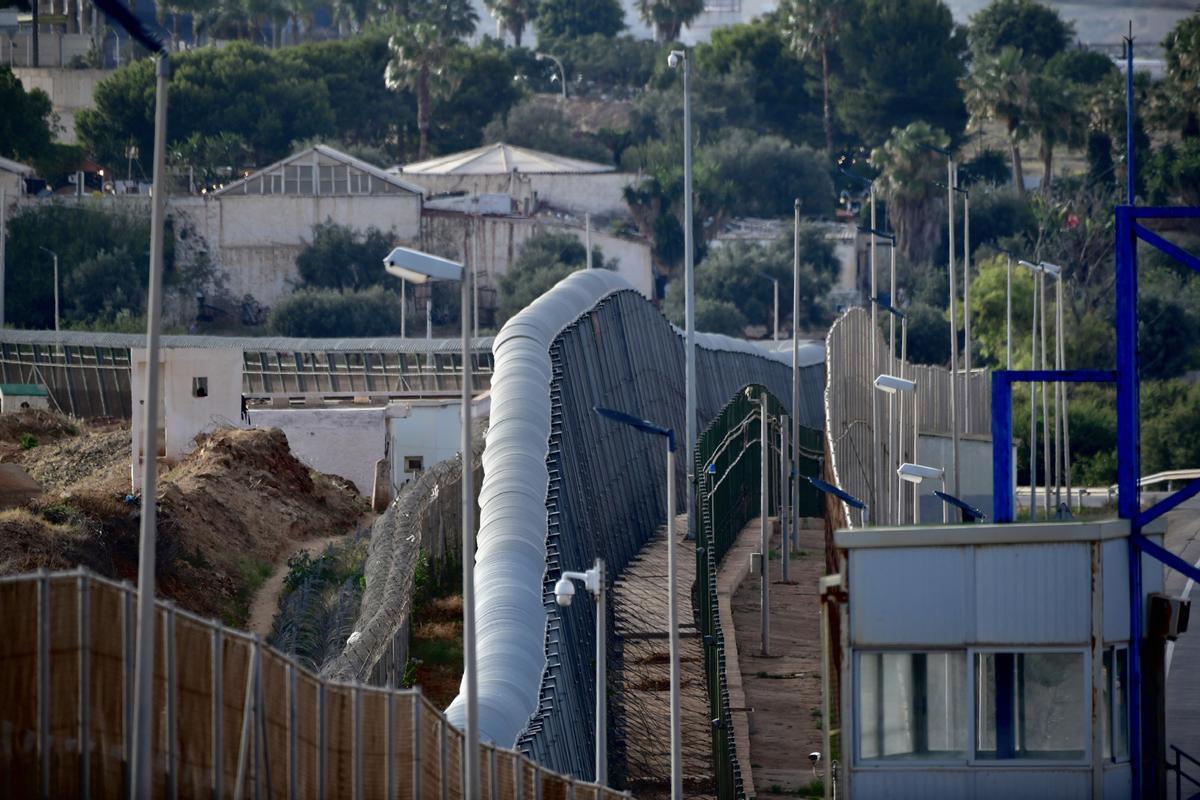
column 233, row 717
column 729, row 476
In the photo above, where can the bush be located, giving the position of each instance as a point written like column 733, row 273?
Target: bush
column 778, row 170
column 546, row 258
column 343, row 258
column 542, row 125
column 28, row 441
column 324, row 313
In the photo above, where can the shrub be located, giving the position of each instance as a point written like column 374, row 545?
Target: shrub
column 28, row 441
column 326, row 313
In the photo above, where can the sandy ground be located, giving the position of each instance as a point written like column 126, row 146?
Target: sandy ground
column 783, row 690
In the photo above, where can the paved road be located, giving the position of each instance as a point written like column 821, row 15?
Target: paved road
column 1183, row 678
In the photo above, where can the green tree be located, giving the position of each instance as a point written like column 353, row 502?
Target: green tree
column 214, row 159
column 483, row 88
column 545, row 126
column 668, row 17
column 989, row 307
column 1182, row 48
column 902, row 62
column 813, row 27
column 1028, row 25
column 421, row 52
column 779, row 171
column 514, row 15
column 343, row 258
column 327, row 313
column 1082, row 67
column 908, row 172
column 1058, row 117
column 545, row 259
column 1000, row 87
column 777, row 80
column 26, row 124
column 239, row 89
column 1170, row 436
column 572, row 19
column 741, row 274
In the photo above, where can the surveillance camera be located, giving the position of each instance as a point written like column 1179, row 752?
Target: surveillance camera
column 674, row 58
column 564, row 592
column 814, row 757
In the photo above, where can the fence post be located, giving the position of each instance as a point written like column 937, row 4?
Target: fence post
column 218, row 710
column 321, row 740
column 172, row 702
column 293, row 777
column 356, row 743
column 444, row 761
column 248, row 716
column 85, row 686
column 416, row 745
column 44, row 678
column 127, row 640
column 389, row 746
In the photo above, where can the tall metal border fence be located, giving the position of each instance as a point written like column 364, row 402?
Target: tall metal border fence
column 233, row 717
column 607, row 489
column 726, row 499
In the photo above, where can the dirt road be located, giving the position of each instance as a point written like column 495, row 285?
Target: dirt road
column 265, row 604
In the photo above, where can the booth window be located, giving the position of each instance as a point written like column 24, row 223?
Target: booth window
column 1115, row 717
column 910, row 706
column 1030, row 706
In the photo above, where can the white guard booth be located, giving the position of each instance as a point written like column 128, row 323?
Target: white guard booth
column 988, row 661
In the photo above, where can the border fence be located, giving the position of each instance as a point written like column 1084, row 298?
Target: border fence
column 233, row 717
column 727, row 498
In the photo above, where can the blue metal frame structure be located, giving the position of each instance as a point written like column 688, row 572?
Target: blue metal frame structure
column 1128, row 231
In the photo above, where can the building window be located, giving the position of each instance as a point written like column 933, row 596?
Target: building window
column 910, row 706
column 326, row 173
column 1030, row 706
column 291, row 179
column 1114, row 683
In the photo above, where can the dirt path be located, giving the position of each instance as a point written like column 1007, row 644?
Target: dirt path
column 783, row 690
column 266, row 600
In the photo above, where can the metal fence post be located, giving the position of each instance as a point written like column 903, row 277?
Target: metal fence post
column 44, row 678
column 416, row 745
column 356, row 743
column 293, row 776
column 85, row 686
column 444, row 761
column 389, row 745
column 172, row 702
column 218, row 710
column 321, row 740
column 127, row 640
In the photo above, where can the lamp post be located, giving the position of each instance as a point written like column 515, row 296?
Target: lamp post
column 53, row 255
column 951, row 182
column 417, row 267
column 966, row 194
column 679, row 59
column 795, row 490
column 561, row 72
column 883, row 502
column 564, row 591
column 1055, row 271
column 763, row 509
column 672, row 596
column 877, row 467
column 916, row 473
column 894, row 385
column 1033, row 364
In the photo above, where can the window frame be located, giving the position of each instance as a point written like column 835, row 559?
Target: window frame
column 1030, row 763
column 1111, row 759
column 915, row 763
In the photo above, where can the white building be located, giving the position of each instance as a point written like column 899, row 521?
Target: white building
column 531, row 178
column 12, row 178
column 253, row 229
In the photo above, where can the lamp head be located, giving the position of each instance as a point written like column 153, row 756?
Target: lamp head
column 892, row 384
column 1054, row 270
column 814, row 757
column 675, row 58
column 915, row 473
column 564, row 592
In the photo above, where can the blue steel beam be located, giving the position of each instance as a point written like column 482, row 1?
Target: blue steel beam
column 1163, row 506
column 1170, row 248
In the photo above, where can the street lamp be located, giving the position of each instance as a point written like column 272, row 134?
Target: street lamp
column 419, row 267
column 972, row 513
column 1033, row 364
column 562, row 72
column 564, row 591
column 840, row 494
column 885, row 303
column 876, row 479
column 647, row 426
column 916, row 473
column 966, row 292
column 53, row 255
column 1062, row 441
column 883, row 502
column 679, row 59
column 894, row 385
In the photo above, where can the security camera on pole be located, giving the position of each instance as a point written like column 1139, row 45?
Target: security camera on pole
column 564, row 591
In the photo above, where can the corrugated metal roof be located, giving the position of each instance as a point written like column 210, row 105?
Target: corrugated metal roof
column 329, row 152
column 8, row 165
column 501, row 159
column 278, row 344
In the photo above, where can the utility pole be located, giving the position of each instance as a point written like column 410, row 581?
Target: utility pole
column 763, row 509
column 795, row 492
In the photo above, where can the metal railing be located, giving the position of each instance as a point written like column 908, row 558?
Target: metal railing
column 727, row 497
column 233, row 717
column 1178, row 766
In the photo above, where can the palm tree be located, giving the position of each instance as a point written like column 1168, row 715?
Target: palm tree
column 999, row 87
column 421, row 52
column 514, row 15
column 1057, row 115
column 908, row 176
column 669, row 16
column 812, row 28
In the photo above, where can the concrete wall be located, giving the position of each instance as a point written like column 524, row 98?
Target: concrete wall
column 342, row 440
column 254, row 239
column 429, row 429
column 70, row 89
column 596, row 193
column 500, row 240
column 183, row 414
column 975, row 472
